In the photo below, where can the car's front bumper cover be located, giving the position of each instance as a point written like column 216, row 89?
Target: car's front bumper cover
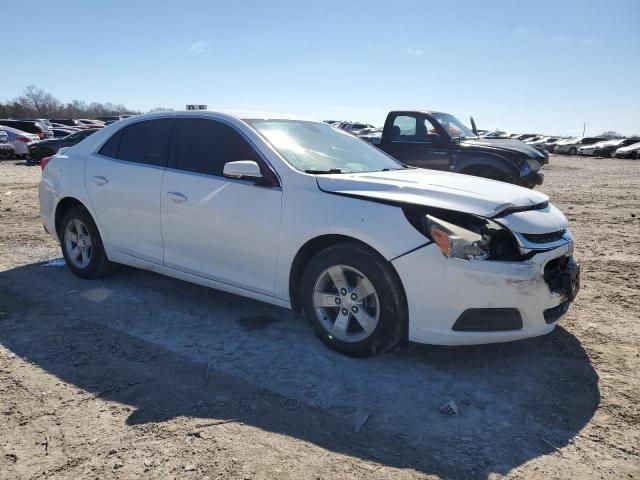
column 440, row 290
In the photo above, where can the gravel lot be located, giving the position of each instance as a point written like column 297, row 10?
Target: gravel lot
column 142, row 376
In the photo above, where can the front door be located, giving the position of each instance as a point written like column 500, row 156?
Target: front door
column 215, row 227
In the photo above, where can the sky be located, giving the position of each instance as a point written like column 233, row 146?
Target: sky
column 543, row 66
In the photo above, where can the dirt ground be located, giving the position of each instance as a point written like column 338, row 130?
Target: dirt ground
column 142, row 376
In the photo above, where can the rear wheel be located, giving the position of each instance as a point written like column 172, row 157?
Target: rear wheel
column 573, row 151
column 353, row 300
column 81, row 244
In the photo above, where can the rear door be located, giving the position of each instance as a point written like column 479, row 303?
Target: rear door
column 216, row 227
column 124, row 180
column 413, row 141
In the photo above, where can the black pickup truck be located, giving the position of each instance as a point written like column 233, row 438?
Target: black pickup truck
column 440, row 141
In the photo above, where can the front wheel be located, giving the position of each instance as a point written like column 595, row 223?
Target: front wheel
column 573, row 151
column 354, row 301
column 82, row 246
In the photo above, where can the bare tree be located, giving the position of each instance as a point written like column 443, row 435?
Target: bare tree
column 37, row 103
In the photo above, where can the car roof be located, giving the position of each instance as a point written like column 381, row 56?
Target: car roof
column 229, row 114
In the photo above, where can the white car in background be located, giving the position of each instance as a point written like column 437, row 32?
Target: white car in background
column 587, row 150
column 6, row 149
column 630, row 151
column 20, row 140
column 301, row 215
column 570, row 146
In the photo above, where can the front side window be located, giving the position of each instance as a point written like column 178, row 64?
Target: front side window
column 144, row 142
column 204, row 146
column 318, row 147
column 454, row 127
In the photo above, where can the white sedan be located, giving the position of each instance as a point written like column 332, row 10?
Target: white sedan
column 20, row 140
column 302, row 215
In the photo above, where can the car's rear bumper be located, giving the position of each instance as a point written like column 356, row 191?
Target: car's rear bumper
column 444, row 294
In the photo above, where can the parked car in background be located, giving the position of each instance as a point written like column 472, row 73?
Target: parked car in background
column 372, row 252
column 630, row 151
column 571, row 145
column 46, row 148
column 91, row 123
column 110, row 118
column 20, row 141
column 609, row 149
column 6, row 149
column 29, row 126
column 356, row 127
column 495, row 134
column 439, row 141
column 525, row 136
column 62, row 132
column 69, row 122
column 371, row 135
column 550, row 144
column 543, row 141
column 44, row 121
column 63, row 126
column 587, row 150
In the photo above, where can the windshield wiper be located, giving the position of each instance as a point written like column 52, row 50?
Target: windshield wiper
column 324, row 172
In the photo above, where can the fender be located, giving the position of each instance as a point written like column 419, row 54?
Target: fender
column 462, row 160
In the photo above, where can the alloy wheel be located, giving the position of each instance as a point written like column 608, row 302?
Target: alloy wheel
column 346, row 303
column 77, row 241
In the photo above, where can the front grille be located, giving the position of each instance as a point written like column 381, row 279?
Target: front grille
column 544, row 237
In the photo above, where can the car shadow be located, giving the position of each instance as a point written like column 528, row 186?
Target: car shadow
column 168, row 348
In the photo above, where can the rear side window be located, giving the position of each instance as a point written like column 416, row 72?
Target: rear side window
column 204, row 146
column 110, row 149
column 144, row 142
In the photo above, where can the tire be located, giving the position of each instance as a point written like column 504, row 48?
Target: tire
column 573, row 151
column 93, row 263
column 373, row 323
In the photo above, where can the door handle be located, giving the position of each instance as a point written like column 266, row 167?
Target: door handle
column 100, row 181
column 176, row 197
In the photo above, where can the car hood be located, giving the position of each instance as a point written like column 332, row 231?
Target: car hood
column 501, row 144
column 432, row 188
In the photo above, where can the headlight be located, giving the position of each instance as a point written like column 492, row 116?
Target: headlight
column 531, row 165
column 455, row 241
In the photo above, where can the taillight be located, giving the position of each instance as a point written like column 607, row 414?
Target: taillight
column 44, row 161
column 23, row 139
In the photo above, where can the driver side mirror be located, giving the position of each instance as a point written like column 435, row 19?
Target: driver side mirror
column 247, row 169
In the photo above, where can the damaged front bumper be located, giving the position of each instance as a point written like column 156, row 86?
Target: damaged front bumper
column 462, row 302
